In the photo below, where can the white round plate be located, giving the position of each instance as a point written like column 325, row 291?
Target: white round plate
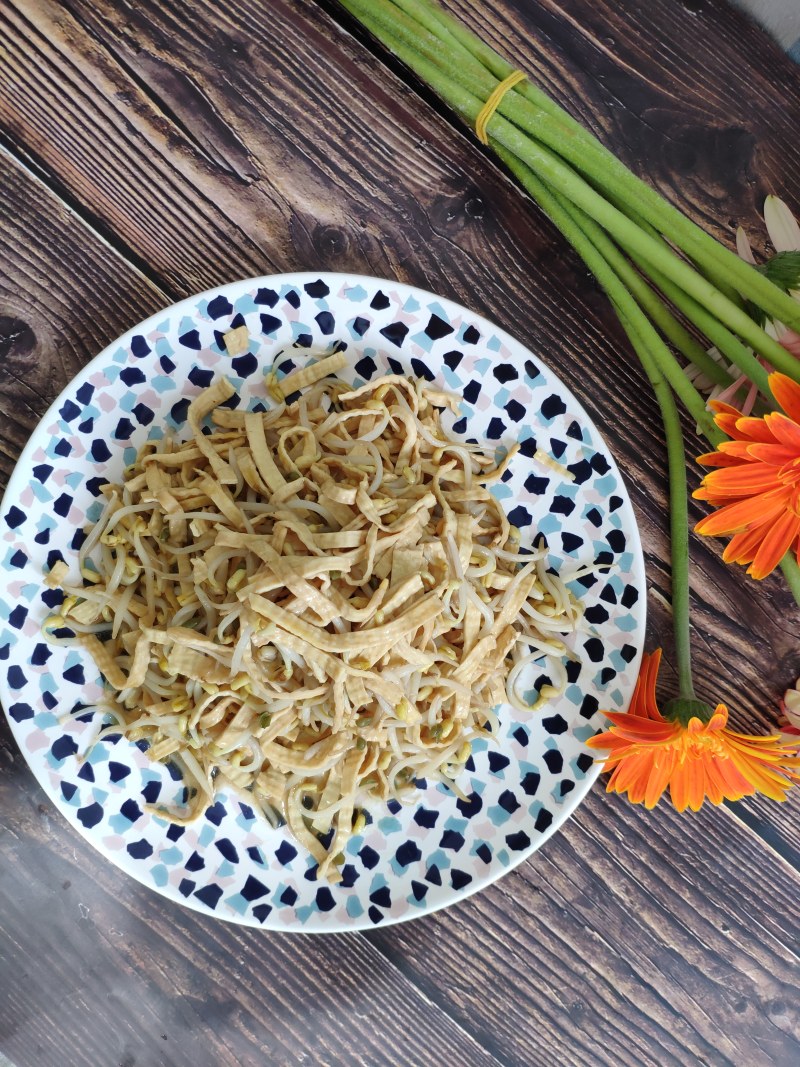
column 409, row 860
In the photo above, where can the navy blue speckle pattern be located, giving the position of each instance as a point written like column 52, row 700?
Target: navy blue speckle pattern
column 253, row 889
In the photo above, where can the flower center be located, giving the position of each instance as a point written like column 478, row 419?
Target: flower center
column 701, row 746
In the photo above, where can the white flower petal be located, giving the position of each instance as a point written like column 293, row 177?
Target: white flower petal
column 791, row 702
column 781, row 225
column 743, row 246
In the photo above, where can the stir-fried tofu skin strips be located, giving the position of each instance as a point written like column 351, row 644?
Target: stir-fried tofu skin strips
column 321, row 603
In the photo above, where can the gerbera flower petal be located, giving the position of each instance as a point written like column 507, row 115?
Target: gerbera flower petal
column 791, row 342
column 648, row 675
column 703, row 760
column 658, row 778
column 785, row 430
column 741, row 515
column 734, row 784
column 679, row 786
column 781, row 225
column 696, row 780
column 721, row 459
column 624, row 772
column 715, row 786
column 638, row 730
column 787, row 393
column 747, row 479
column 775, row 455
column 635, row 787
column 743, row 248
column 732, row 453
column 742, row 547
column 761, row 776
column 608, row 742
column 719, row 407
column 748, row 740
column 727, row 420
column 739, row 449
column 774, row 545
column 749, row 428
column 631, row 777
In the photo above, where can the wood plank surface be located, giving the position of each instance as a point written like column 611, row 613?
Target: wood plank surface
column 371, row 180
column 595, row 952
column 158, row 984
column 647, row 960
column 47, row 330
column 207, row 142
column 189, row 121
column 97, row 970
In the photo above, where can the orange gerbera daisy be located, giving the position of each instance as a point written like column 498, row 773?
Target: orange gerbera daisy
column 698, row 759
column 757, row 488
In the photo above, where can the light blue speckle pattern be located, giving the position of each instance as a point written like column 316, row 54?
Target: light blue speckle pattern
column 160, row 875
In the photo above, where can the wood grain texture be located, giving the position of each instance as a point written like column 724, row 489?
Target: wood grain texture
column 96, row 970
column 52, row 318
column 711, row 126
column 595, row 952
column 262, row 176
column 207, row 142
column 643, row 954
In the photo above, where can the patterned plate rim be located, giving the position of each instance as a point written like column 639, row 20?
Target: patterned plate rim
column 188, row 306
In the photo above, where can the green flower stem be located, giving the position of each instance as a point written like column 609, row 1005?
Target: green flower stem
column 659, row 364
column 422, row 28
column 440, row 22
column 570, row 132
column 388, row 24
column 723, row 340
column 717, row 333
column 715, row 277
column 649, row 301
column 651, row 352
column 728, row 344
column 791, row 572
column 605, row 168
column 678, row 510
column 447, row 27
column 566, row 216
column 696, row 296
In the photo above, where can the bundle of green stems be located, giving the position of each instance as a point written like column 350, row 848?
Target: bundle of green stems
column 659, row 269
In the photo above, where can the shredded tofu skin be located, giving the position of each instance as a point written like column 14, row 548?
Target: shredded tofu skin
column 321, row 604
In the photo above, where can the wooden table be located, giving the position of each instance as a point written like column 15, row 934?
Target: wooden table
column 153, row 150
